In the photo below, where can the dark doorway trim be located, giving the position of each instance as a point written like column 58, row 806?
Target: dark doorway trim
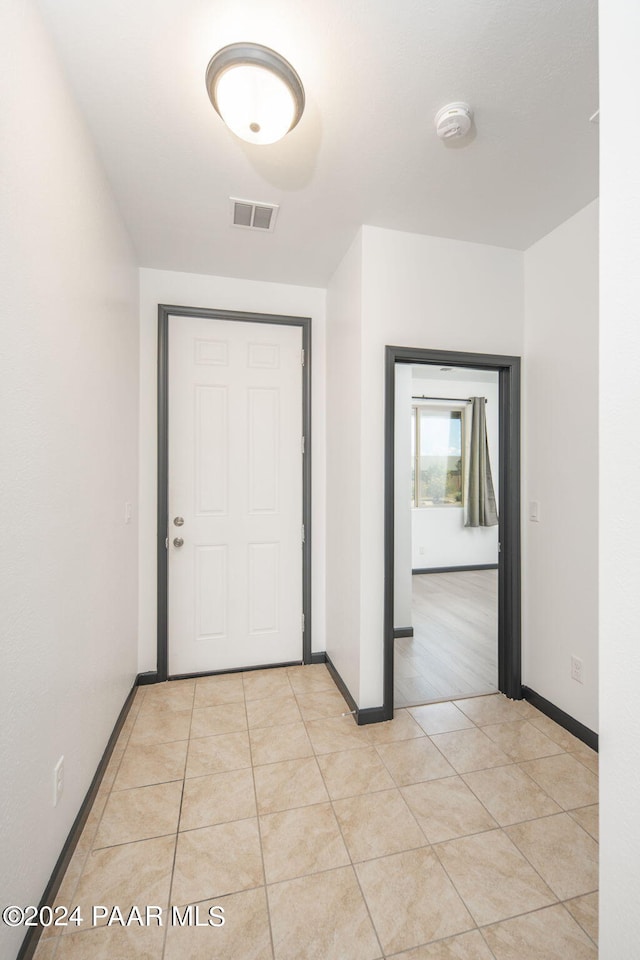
column 509, row 565
column 164, row 312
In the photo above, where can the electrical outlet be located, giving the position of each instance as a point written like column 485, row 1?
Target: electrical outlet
column 577, row 669
column 58, row 781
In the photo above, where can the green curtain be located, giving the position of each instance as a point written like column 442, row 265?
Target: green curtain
column 481, row 510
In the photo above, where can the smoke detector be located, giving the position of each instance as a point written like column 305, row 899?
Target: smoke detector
column 454, row 120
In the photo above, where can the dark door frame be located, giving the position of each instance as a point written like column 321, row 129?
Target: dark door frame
column 509, row 562
column 164, row 312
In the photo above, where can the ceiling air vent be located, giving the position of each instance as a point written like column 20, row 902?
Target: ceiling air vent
column 252, row 215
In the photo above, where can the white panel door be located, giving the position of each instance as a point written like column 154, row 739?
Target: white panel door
column 235, row 479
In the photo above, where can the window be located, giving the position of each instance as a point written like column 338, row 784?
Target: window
column 436, row 456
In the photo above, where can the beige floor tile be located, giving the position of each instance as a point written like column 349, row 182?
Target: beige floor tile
column 322, row 704
column 587, row 756
column 112, row 943
column 549, row 934
column 291, row 783
column 565, row 779
column 554, row 731
column 229, row 751
column 564, row 855
column 213, row 861
column 411, row 900
column 214, row 691
column 140, row 813
column 161, row 728
column 352, row 772
column 287, row 742
column 171, row 695
column 495, row 708
column 302, row 841
column 402, row 727
column 46, row 949
column 217, row 798
column 335, row 734
column 446, row 809
column 520, row 740
column 585, row 911
column 440, row 718
column 311, row 678
column 321, row 917
column 127, row 875
column 470, row 750
column 466, row 946
column 377, row 824
column 212, row 721
column 510, row 795
column 272, row 711
column 492, row 877
column 260, row 684
column 410, row 761
column 244, row 935
column 588, row 818
column 158, row 763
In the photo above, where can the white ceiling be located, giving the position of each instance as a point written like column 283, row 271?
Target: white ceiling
column 429, row 371
column 365, row 151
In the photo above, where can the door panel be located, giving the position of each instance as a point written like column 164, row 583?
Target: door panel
column 235, row 477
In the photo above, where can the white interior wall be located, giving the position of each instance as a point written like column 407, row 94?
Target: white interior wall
column 430, row 292
column 344, row 315
column 560, row 459
column 619, row 485
column 196, row 290
column 402, row 588
column 69, row 394
column 439, row 537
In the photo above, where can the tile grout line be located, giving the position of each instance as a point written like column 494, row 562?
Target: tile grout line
column 175, row 849
column 351, row 863
column 264, row 872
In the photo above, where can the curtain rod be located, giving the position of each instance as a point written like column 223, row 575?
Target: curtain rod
column 449, row 399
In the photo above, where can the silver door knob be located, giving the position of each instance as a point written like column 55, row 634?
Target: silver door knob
column 178, row 521
column 178, row 541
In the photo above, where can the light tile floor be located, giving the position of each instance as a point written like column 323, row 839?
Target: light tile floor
column 457, row 831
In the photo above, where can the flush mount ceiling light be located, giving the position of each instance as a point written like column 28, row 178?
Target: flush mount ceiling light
column 257, row 92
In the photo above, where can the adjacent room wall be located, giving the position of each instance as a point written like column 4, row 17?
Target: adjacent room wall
column 427, row 292
column 560, row 461
column 68, row 408
column 196, row 290
column 619, row 458
column 402, row 587
column 439, row 537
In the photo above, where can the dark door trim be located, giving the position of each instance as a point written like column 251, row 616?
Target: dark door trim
column 509, row 565
column 164, row 312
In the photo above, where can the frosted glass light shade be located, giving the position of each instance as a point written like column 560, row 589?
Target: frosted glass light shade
column 256, row 92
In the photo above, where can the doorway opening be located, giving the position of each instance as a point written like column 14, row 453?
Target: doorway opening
column 260, row 358
column 465, row 623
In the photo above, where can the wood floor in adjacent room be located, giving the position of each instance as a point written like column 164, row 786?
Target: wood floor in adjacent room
column 454, row 649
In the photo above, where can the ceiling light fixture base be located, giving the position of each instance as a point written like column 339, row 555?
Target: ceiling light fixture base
column 256, row 91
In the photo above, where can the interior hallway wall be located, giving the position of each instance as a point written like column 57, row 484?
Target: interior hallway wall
column 68, row 435
column 344, row 418
column 222, row 293
column 619, row 485
column 415, row 291
column 560, row 465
